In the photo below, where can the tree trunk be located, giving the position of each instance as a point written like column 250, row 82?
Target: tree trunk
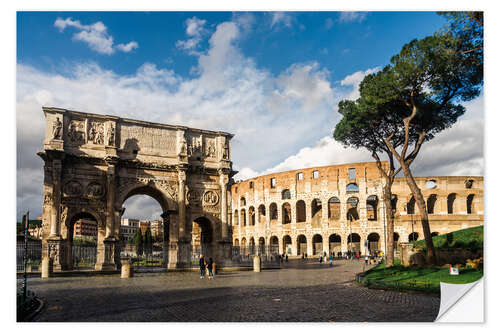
column 390, row 224
column 424, row 219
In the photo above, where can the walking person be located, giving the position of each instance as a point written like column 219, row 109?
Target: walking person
column 210, row 265
column 203, row 265
column 331, row 260
column 320, row 259
column 366, row 260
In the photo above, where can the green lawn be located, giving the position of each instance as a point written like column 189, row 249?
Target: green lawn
column 470, row 238
column 419, row 279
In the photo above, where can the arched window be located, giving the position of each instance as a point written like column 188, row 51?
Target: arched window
column 431, row 202
column 373, row 242
column 470, row 204
column 317, row 244
column 451, row 201
column 352, row 188
column 236, row 218
column 371, row 207
column 286, row 213
column 352, row 209
column 394, row 202
column 301, row 211
column 243, row 218
column 273, row 210
column 334, row 208
column 410, row 206
column 251, row 213
column 413, row 237
column 285, row 195
column 262, row 213
column 243, row 202
column 315, row 207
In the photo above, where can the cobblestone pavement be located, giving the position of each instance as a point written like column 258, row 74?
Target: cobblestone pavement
column 300, row 292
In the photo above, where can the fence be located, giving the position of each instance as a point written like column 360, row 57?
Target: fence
column 34, row 255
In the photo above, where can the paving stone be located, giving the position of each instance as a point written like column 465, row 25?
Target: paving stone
column 301, row 292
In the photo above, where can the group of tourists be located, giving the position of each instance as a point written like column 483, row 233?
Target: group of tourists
column 204, row 265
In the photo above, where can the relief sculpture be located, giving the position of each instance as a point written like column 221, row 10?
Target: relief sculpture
column 96, row 133
column 76, row 132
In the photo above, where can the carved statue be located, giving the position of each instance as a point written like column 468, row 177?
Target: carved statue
column 225, row 151
column 183, row 150
column 111, row 135
column 57, row 129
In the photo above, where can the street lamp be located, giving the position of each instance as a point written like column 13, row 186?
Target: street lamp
column 166, row 233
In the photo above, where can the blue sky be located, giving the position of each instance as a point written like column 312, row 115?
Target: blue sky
column 340, row 45
column 274, row 79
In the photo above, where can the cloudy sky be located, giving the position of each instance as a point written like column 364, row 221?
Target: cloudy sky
column 274, row 79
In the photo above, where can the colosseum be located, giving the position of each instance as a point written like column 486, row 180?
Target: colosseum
column 339, row 208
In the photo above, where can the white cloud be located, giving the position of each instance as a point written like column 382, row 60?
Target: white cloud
column 353, row 80
column 229, row 93
column 281, row 121
column 195, row 29
column 127, row 47
column 281, row 18
column 95, row 36
column 346, row 17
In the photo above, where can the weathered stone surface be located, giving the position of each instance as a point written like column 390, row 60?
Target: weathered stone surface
column 93, row 163
column 324, row 205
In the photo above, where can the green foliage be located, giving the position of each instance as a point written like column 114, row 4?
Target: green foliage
column 148, row 242
column 421, row 279
column 467, row 29
column 470, row 238
column 84, row 241
column 139, row 242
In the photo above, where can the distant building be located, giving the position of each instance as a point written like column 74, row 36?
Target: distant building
column 85, row 228
column 130, row 222
column 128, row 232
column 157, row 229
column 144, row 225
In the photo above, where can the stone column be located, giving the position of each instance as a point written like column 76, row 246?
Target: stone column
column 223, row 180
column 110, row 207
column 294, row 245
column 181, row 200
column 309, row 246
column 56, row 198
column 326, row 244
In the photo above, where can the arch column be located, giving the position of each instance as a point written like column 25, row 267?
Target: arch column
column 326, row 244
column 309, row 241
column 56, row 199
column 294, row 245
column 106, row 248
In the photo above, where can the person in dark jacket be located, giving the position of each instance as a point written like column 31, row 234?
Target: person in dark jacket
column 210, row 265
column 203, row 264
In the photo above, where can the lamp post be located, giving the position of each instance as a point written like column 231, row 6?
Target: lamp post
column 25, row 257
column 166, row 234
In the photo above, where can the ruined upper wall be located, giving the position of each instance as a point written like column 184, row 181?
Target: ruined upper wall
column 94, row 135
column 331, row 176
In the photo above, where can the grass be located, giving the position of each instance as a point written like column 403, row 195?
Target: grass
column 470, row 238
column 425, row 279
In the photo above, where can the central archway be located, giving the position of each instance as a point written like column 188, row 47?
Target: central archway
column 202, row 238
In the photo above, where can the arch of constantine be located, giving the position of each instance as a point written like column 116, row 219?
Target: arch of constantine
column 340, row 207
column 93, row 163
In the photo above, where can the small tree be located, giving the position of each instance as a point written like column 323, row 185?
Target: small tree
column 148, row 242
column 139, row 243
